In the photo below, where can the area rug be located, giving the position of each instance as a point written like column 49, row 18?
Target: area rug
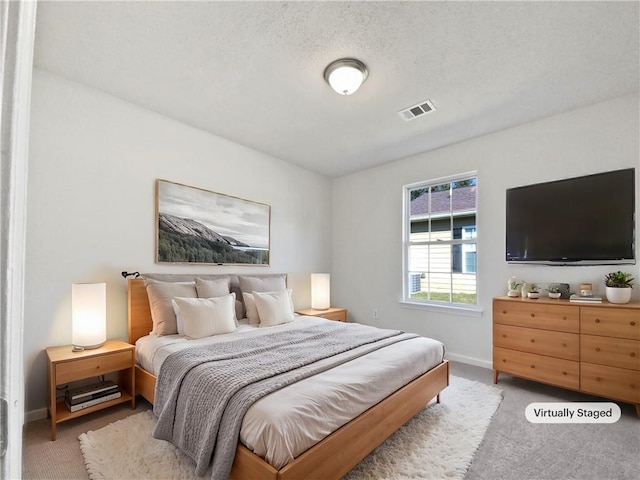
column 438, row 443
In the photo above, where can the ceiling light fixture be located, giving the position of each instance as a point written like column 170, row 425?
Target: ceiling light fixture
column 346, row 75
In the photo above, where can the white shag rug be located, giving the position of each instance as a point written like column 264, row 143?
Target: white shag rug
column 438, row 443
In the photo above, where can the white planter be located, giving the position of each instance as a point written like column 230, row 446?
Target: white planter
column 618, row 295
column 533, row 294
column 554, row 294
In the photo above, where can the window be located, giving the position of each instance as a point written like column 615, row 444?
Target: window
column 440, row 241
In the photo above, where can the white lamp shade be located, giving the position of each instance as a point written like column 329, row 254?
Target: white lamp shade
column 346, row 80
column 346, row 75
column 320, row 291
column 89, row 314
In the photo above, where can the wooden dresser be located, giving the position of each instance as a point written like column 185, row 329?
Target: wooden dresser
column 592, row 348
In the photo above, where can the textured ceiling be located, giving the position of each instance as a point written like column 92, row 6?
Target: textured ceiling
column 252, row 72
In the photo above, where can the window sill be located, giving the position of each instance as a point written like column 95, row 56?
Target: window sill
column 470, row 311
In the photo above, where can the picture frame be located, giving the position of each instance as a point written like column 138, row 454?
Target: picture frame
column 198, row 226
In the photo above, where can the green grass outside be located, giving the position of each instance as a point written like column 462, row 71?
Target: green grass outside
column 458, row 297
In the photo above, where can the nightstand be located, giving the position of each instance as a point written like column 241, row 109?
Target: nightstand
column 65, row 366
column 332, row 313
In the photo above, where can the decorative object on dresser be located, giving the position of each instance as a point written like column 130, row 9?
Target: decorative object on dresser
column 618, row 286
column 553, row 290
column 193, row 225
column 592, row 348
column 331, row 313
column 65, row 366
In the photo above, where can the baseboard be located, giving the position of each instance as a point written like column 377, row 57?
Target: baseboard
column 34, row 415
column 469, row 360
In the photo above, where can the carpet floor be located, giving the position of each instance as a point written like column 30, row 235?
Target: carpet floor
column 448, row 434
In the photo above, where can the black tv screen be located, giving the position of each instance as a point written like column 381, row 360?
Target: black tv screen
column 582, row 220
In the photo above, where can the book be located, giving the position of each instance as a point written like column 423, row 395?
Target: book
column 89, row 390
column 94, row 401
column 578, row 299
column 75, row 400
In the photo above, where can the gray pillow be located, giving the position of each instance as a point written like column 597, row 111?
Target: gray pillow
column 160, row 295
column 250, row 284
column 213, row 288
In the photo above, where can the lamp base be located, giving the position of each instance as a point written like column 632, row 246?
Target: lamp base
column 82, row 348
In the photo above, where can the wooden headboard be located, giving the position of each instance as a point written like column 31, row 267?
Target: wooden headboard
column 140, row 323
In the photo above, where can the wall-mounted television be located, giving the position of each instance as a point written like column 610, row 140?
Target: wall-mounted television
column 587, row 220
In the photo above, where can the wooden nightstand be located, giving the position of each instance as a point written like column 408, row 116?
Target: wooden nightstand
column 339, row 314
column 65, row 366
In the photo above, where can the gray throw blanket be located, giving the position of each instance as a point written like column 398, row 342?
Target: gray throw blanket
column 203, row 393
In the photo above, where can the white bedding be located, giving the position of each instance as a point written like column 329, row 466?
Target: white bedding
column 284, row 424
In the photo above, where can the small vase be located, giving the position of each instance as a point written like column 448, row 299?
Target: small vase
column 618, row 295
column 554, row 294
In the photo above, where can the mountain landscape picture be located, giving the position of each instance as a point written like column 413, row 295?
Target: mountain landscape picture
column 200, row 226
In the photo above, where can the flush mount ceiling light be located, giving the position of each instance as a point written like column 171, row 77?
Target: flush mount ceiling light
column 346, row 75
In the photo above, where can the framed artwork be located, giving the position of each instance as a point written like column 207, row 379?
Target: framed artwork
column 194, row 225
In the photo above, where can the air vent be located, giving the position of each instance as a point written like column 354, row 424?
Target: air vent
column 418, row 110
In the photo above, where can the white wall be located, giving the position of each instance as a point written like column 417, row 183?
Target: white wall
column 367, row 217
column 93, row 163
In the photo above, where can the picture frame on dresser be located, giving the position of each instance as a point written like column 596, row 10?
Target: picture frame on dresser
column 591, row 348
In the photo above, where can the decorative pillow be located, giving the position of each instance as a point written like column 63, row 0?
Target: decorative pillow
column 251, row 309
column 274, row 308
column 204, row 317
column 160, row 295
column 251, row 284
column 213, row 288
column 179, row 317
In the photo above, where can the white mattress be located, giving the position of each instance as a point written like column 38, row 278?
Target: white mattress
column 284, row 424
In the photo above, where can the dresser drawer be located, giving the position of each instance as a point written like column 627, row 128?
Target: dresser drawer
column 554, row 371
column 615, row 352
column 532, row 340
column 610, row 322
column 612, row 382
column 562, row 318
column 338, row 316
column 93, row 366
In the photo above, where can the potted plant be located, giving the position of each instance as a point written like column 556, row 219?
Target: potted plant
column 534, row 291
column 619, row 285
column 514, row 288
column 553, row 291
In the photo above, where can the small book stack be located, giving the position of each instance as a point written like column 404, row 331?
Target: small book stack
column 590, row 299
column 90, row 395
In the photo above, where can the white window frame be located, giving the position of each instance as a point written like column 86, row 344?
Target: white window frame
column 446, row 307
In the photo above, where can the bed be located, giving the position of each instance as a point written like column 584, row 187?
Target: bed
column 331, row 457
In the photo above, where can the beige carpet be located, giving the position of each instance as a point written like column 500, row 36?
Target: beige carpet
column 439, row 443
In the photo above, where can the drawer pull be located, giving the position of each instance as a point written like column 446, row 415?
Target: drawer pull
column 633, row 386
column 533, row 315
column 633, row 324
column 597, row 320
column 564, row 373
column 504, row 335
column 504, row 311
column 597, row 349
column 533, row 366
column 633, row 354
column 564, row 344
column 597, row 379
column 564, row 317
column 504, row 360
column 533, row 340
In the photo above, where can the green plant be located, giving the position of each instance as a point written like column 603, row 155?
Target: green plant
column 553, row 288
column 516, row 285
column 533, row 288
column 619, row 280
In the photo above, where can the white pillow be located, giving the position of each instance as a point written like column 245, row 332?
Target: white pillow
column 204, row 317
column 274, row 308
column 251, row 311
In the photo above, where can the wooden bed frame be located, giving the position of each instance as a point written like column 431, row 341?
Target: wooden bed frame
column 338, row 453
